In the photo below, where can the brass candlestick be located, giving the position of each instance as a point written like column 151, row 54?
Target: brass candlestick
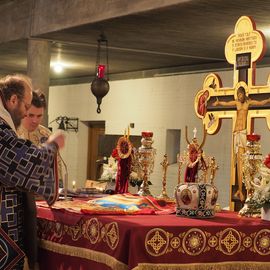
column 180, row 163
column 164, row 165
column 146, row 154
column 213, row 168
column 252, row 161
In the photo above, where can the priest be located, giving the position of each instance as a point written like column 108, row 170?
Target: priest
column 23, row 167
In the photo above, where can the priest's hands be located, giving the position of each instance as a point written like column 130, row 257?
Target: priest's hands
column 58, row 138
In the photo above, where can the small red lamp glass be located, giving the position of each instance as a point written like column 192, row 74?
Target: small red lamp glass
column 101, row 71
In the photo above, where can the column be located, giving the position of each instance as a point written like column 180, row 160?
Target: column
column 38, row 68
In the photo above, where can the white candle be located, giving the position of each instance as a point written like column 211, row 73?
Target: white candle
column 65, row 185
column 73, row 184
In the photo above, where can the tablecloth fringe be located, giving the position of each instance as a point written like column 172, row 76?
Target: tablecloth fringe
column 84, row 253
column 206, row 266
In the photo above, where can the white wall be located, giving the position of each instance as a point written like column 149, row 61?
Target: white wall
column 154, row 104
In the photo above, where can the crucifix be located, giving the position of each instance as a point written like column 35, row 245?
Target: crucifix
column 242, row 103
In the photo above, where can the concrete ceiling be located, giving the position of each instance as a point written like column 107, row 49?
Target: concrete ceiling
column 144, row 40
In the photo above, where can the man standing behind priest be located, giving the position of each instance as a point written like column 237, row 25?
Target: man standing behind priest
column 23, row 167
column 31, row 129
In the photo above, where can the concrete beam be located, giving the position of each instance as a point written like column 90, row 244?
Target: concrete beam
column 22, row 19
column 52, row 15
column 15, row 20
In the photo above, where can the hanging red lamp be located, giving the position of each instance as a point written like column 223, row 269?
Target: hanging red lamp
column 100, row 86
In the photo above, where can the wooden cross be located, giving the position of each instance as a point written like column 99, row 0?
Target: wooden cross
column 213, row 103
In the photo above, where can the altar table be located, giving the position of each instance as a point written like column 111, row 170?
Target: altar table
column 77, row 241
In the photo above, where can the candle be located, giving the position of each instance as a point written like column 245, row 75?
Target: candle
column 65, row 185
column 73, row 184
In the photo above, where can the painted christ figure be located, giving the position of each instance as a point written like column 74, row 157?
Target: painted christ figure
column 242, row 104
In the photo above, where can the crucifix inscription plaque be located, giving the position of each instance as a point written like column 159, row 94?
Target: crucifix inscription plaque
column 242, row 103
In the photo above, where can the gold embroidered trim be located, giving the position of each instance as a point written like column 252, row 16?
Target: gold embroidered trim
column 206, row 266
column 84, row 253
column 195, row 241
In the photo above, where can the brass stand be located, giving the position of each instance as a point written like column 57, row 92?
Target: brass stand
column 213, row 168
column 164, row 165
column 146, row 154
column 252, row 161
column 180, row 163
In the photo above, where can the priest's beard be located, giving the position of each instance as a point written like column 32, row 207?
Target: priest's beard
column 16, row 117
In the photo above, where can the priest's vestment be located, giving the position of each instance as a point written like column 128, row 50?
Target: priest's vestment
column 23, row 167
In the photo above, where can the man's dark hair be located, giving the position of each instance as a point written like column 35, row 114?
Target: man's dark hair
column 39, row 99
column 14, row 85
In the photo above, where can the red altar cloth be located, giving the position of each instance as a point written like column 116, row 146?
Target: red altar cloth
column 72, row 241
